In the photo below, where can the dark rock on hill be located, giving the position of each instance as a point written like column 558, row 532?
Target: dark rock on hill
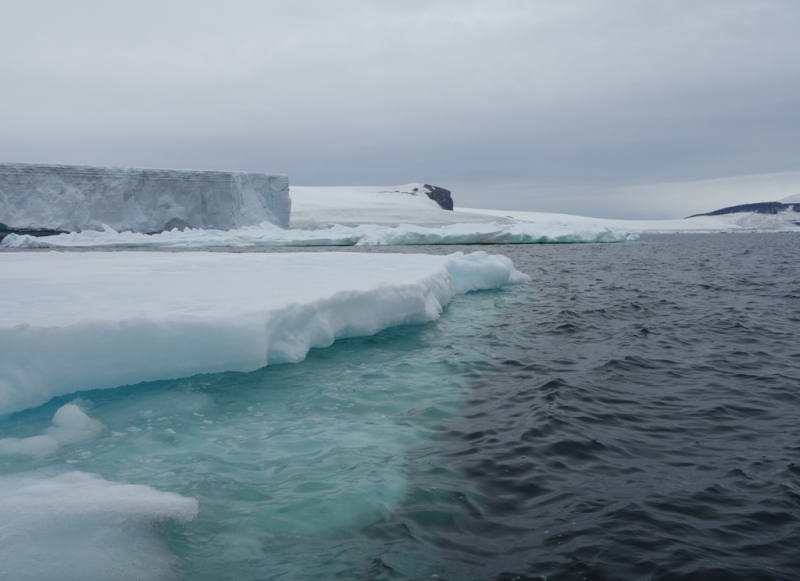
column 439, row 195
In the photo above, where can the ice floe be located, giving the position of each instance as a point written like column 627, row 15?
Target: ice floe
column 70, row 425
column 79, row 321
column 78, row 526
column 267, row 235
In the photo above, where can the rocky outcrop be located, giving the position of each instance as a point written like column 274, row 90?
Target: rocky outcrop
column 49, row 198
column 439, row 195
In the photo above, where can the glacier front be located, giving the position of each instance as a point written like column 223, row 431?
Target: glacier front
column 69, row 198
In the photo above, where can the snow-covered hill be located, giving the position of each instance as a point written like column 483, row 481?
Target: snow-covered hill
column 383, row 205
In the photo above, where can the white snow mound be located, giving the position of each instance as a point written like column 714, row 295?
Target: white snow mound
column 79, row 321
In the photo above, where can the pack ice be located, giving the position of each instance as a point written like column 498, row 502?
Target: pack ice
column 79, row 321
column 74, row 198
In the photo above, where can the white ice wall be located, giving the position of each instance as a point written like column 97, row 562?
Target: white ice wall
column 71, row 198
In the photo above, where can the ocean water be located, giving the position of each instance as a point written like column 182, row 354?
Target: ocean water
column 632, row 413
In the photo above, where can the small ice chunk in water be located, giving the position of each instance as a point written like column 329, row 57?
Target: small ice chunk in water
column 70, row 425
column 77, row 526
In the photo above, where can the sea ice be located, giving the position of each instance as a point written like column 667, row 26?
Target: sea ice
column 77, row 526
column 70, row 425
column 73, row 198
column 267, row 235
column 79, row 321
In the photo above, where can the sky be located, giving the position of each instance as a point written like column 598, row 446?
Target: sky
column 607, row 108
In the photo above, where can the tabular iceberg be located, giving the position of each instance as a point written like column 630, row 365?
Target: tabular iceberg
column 72, row 198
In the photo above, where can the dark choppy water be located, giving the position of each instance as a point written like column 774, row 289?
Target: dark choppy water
column 637, row 416
column 633, row 413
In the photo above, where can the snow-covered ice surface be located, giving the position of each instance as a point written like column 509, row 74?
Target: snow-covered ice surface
column 77, row 526
column 266, row 235
column 77, row 321
column 72, row 198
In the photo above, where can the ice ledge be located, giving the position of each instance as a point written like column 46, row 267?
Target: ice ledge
column 77, row 321
column 73, row 198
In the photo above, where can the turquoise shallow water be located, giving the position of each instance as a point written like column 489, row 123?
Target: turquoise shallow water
column 289, row 463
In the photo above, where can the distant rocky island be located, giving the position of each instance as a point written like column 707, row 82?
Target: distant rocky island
column 783, row 212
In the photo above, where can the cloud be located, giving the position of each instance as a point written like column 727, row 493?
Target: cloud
column 568, row 95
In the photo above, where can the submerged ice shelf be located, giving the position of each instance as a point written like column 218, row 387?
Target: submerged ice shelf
column 79, row 321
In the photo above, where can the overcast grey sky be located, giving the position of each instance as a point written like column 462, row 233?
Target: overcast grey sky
column 576, row 106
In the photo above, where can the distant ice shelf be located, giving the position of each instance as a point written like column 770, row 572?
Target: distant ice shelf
column 267, row 235
column 80, row 321
column 73, row 198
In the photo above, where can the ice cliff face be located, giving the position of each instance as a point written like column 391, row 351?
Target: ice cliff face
column 72, row 198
